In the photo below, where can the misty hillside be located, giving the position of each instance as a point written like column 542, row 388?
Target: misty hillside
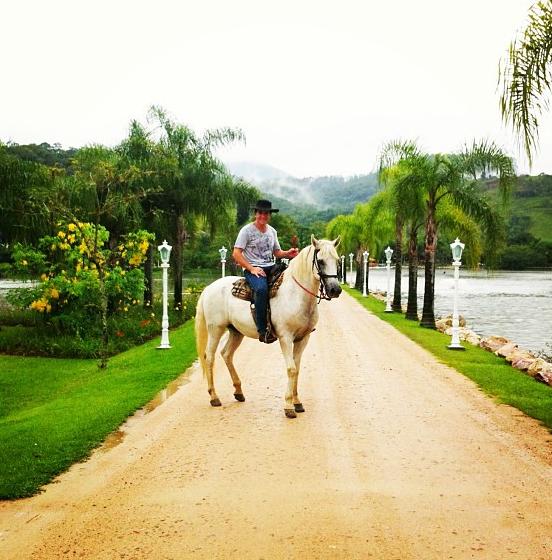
column 328, row 196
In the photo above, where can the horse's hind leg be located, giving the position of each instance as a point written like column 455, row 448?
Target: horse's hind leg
column 234, row 340
column 215, row 334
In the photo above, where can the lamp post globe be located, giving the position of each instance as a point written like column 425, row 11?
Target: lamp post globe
column 165, row 253
column 388, row 254
column 457, row 247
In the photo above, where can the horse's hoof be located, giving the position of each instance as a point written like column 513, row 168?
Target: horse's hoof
column 290, row 413
column 239, row 397
column 216, row 402
column 298, row 407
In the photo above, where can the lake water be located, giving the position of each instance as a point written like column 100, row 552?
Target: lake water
column 517, row 305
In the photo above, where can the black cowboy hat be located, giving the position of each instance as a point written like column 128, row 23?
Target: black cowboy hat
column 264, row 206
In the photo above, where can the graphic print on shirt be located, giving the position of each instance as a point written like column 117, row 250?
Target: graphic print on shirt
column 263, row 244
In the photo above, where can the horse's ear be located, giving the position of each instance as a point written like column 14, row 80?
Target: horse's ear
column 314, row 241
column 337, row 241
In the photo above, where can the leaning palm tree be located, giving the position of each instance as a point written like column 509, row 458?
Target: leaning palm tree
column 526, row 77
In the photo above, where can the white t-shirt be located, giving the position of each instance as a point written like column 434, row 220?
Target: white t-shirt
column 258, row 247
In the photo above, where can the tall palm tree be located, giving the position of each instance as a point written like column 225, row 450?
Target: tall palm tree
column 453, row 178
column 139, row 149
column 442, row 180
column 193, row 182
column 366, row 228
column 526, row 76
column 404, row 200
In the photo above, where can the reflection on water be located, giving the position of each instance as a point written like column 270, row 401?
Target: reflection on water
column 115, row 438
column 517, row 305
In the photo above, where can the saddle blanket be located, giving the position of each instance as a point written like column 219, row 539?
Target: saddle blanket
column 242, row 290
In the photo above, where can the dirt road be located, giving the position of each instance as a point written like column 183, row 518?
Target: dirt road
column 396, row 457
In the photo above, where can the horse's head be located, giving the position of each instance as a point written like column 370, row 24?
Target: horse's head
column 326, row 262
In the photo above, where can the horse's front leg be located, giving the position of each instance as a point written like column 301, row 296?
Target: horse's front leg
column 286, row 344
column 298, row 348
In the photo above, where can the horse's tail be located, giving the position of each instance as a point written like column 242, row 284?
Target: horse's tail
column 201, row 333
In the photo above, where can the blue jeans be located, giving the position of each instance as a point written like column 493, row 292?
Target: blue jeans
column 259, row 285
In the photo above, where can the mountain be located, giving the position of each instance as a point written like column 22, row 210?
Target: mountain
column 329, row 195
column 256, row 173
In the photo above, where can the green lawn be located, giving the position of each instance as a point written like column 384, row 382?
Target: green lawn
column 493, row 374
column 53, row 412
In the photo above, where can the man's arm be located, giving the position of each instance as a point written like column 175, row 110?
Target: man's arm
column 237, row 255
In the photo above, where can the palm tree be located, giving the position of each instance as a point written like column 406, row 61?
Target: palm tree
column 405, row 202
column 526, row 76
column 367, row 227
column 443, row 180
column 193, row 182
column 140, row 150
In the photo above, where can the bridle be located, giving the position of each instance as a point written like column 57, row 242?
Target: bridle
column 322, row 276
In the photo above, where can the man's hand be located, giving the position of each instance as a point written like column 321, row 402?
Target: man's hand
column 257, row 271
column 293, row 252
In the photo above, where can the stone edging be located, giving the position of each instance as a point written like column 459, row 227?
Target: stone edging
column 521, row 359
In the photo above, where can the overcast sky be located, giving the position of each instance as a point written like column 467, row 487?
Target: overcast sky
column 317, row 86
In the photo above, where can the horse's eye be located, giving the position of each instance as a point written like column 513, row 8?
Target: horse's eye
column 321, row 262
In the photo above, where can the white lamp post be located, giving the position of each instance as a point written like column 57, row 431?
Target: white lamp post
column 365, row 256
column 351, row 284
column 223, row 250
column 388, row 253
column 457, row 249
column 343, row 271
column 165, row 252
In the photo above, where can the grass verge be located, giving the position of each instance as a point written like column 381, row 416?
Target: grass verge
column 493, row 374
column 54, row 412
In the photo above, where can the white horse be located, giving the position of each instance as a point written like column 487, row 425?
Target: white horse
column 294, row 314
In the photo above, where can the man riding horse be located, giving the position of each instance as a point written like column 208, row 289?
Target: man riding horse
column 255, row 248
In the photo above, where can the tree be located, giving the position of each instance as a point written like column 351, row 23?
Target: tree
column 452, row 180
column 404, row 197
column 23, row 185
column 193, row 182
column 141, row 151
column 103, row 188
column 526, row 77
column 367, row 228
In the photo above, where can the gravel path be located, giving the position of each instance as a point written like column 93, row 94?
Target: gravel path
column 396, row 457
